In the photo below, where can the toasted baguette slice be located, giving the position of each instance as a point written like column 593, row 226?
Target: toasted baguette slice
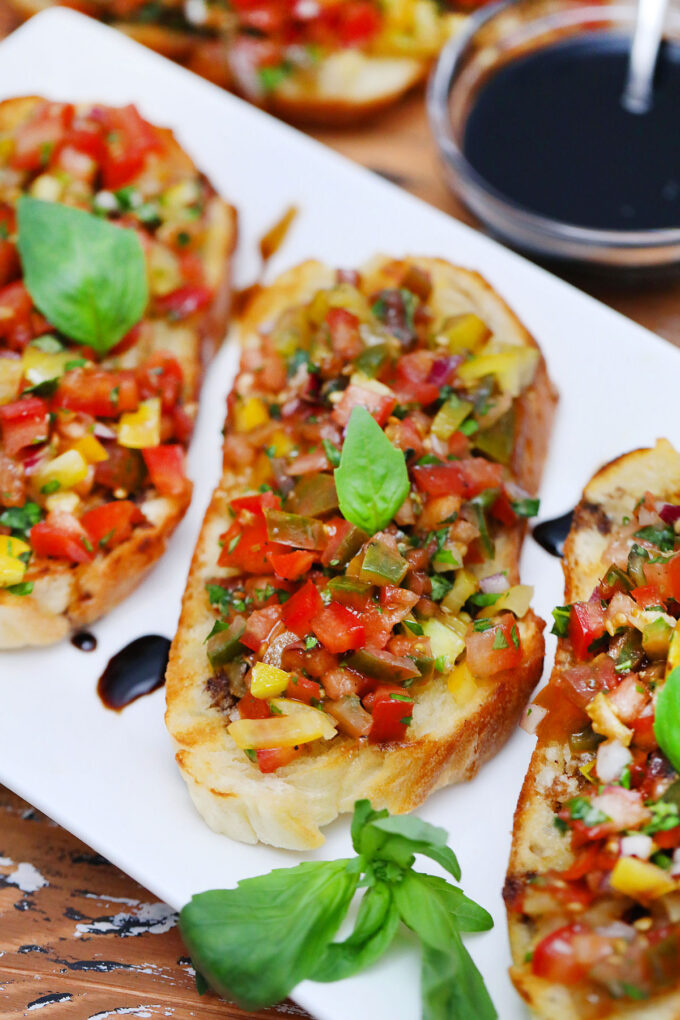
column 67, row 594
column 602, row 532
column 450, row 737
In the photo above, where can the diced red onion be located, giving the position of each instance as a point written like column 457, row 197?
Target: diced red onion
column 669, row 513
column 532, row 717
column 443, row 370
column 273, row 654
column 33, row 460
column 494, row 584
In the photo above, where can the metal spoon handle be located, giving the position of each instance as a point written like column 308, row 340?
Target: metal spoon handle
column 637, row 93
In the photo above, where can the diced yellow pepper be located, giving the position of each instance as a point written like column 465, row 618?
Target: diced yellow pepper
column 516, row 599
column 465, row 332
column 91, row 449
column 262, row 470
column 640, row 879
column 163, row 270
column 42, row 366
column 301, row 726
column 281, row 443
column 141, row 428
column 62, row 502
column 445, row 642
column 12, row 571
column 514, row 367
column 461, row 683
column 268, row 681
column 11, row 372
column 67, row 469
column 13, row 546
column 47, row 187
column 673, row 659
column 180, row 195
column 465, row 584
column 249, row 414
column 605, row 720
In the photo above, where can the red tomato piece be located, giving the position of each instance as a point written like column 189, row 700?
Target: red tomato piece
column 97, row 392
column 61, row 537
column 648, row 595
column 161, row 376
column 302, row 689
column 337, row 530
column 245, row 546
column 343, row 327
column 666, row 576
column 465, row 478
column 495, row 649
column 129, row 140
column 359, row 22
column 253, row 708
column 392, row 713
column 586, row 624
column 123, row 470
column 111, row 523
column 256, row 503
column 413, row 371
column 165, row 465
column 581, row 683
column 36, row 140
column 185, row 301
column 338, row 629
column 301, row 608
column 502, row 510
column 16, row 325
column 291, row 566
column 23, row 423
column 566, row 955
column 260, row 624
column 270, row 759
column 380, row 405
column 10, row 267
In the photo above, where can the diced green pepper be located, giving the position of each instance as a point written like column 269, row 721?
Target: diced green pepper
column 617, row 579
column 349, row 546
column 637, row 557
column 450, row 416
column 292, row 529
column 498, row 441
column 225, row 645
column 630, row 651
column 382, row 565
column 656, row 638
column 371, row 360
column 584, row 740
column 479, row 506
column 344, row 585
column 382, row 665
column 424, row 664
column 313, row 496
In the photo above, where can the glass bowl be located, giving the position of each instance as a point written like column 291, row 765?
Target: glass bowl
column 493, row 36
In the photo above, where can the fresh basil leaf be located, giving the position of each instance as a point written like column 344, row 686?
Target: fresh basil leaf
column 451, row 987
column 372, row 481
column 667, row 718
column 254, row 943
column 202, row 985
column 423, row 838
column 87, row 276
column 376, row 925
column 468, row 915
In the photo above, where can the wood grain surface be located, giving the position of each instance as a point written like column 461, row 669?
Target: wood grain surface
column 78, row 938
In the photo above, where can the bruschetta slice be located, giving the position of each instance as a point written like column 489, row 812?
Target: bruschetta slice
column 319, row 660
column 92, row 479
column 593, row 887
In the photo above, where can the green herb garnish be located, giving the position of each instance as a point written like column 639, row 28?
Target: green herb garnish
column 372, row 481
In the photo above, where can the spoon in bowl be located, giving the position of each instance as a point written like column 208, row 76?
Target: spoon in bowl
column 637, row 93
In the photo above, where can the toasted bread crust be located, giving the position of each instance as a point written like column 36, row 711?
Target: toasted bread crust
column 537, row 846
column 68, row 596
column 449, row 741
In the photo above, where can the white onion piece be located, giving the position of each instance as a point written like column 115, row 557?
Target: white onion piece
column 494, row 584
column 675, row 867
column 102, row 431
column 273, row 654
column 532, row 717
column 612, row 758
column 648, row 517
column 637, row 845
column 616, row 930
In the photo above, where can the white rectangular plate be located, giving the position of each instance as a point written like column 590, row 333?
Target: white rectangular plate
column 111, row 778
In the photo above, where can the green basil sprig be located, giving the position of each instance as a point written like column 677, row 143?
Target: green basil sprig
column 87, row 276
column 667, row 718
column 254, row 943
column 372, row 480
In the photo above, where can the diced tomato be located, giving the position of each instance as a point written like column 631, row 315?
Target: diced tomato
column 465, row 478
column 253, row 708
column 292, row 565
column 406, row 436
column 301, row 608
column 666, row 576
column 124, row 469
column 586, row 624
column 86, row 139
column 413, row 372
column 23, row 423
column 256, row 502
column 111, row 523
column 668, row 840
column 302, row 689
column 10, row 267
column 495, row 649
column 502, row 510
column 182, row 424
column 643, row 728
column 309, row 463
column 165, row 465
column 272, row 758
column 35, row 140
column 379, row 404
column 343, row 327
column 338, row 629
column 360, row 21
column 62, row 537
column 396, row 603
column 245, row 546
column 581, row 683
column 337, row 530
column 97, row 392
column 392, row 709
column 459, row 445
column 185, row 301
column 259, row 626
column 161, row 376
column 566, row 955
column 648, row 595
column 129, row 140
column 16, row 325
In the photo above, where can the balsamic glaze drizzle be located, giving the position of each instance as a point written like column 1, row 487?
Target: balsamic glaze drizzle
column 135, row 670
column 551, row 535
column 84, row 641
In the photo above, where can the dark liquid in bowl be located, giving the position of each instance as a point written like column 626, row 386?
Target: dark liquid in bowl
column 548, row 131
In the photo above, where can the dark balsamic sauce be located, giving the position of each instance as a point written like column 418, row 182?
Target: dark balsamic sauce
column 551, row 535
column 84, row 641
column 548, row 131
column 137, row 669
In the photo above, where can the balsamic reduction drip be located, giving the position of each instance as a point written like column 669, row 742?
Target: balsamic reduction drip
column 551, row 535
column 137, row 669
column 84, row 641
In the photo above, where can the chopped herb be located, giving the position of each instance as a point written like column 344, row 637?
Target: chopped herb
column 251, row 753
column 271, row 77
column 311, row 641
column 526, row 507
column 561, row 616
column 440, row 587
column 88, row 545
column 482, row 625
column 49, row 487
column 482, row 598
column 514, row 635
column 105, row 539
column 76, row 363
column 24, row 588
column 428, row 459
column 414, row 627
column 663, row 538
column 332, row 452
column 274, row 709
column 440, row 664
column 234, row 542
column 582, row 810
column 21, row 518
column 664, row 816
column 400, row 697
column 469, row 427
column 560, row 824
column 499, row 641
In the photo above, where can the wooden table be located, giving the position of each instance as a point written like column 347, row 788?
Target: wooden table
column 80, row 939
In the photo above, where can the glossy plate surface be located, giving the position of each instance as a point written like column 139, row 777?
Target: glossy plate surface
column 110, row 778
